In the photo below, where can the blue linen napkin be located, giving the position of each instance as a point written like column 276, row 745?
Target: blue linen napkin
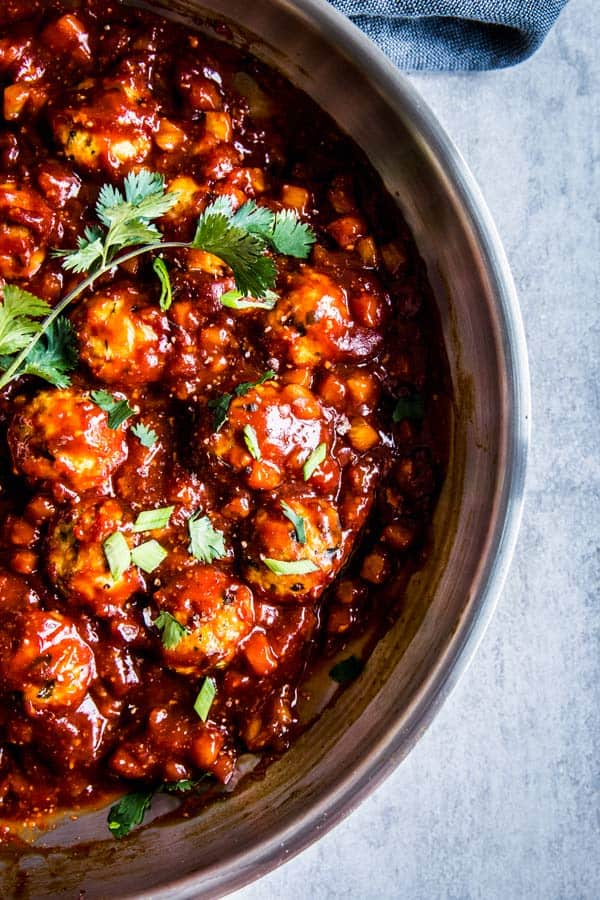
column 454, row 34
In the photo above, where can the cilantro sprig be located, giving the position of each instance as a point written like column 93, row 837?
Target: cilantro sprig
column 126, row 219
column 21, row 319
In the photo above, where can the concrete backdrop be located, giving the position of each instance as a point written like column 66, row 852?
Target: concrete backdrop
column 500, row 799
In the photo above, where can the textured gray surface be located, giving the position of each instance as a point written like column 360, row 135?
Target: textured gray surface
column 501, row 798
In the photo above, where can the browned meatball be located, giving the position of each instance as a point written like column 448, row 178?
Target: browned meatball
column 270, row 433
column 47, row 661
column 26, row 226
column 316, row 544
column 63, row 438
column 311, row 319
column 123, row 340
column 313, row 322
column 216, row 611
column 77, row 563
column 111, row 128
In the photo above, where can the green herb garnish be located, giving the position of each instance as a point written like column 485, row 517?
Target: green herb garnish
column 346, row 670
column 206, row 543
column 290, row 567
column 251, row 442
column 148, row 556
column 150, row 519
column 184, row 785
column 282, row 230
column 220, row 408
column 126, row 217
column 204, row 700
column 314, row 461
column 53, row 355
column 166, row 290
column 20, row 313
column 117, row 553
column 236, row 300
column 172, row 630
column 118, row 410
column 126, row 220
column 146, row 436
column 296, row 520
column 129, row 812
column 412, row 408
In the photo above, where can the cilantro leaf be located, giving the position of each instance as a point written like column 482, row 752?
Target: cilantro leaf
column 245, row 386
column 118, row 410
column 220, row 408
column 88, row 254
column 254, row 218
column 206, row 543
column 128, row 812
column 18, row 314
column 166, row 291
column 241, row 250
column 291, row 236
column 54, row 356
column 172, row 630
column 127, row 219
column 296, row 520
column 146, row 436
column 282, row 230
column 144, row 198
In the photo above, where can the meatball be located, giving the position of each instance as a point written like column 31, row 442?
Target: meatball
column 316, row 540
column 216, row 611
column 270, row 433
column 315, row 321
column 112, row 128
column 47, row 661
column 76, row 561
column 63, row 438
column 312, row 319
column 26, row 225
column 122, row 339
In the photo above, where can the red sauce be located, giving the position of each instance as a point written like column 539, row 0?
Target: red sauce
column 92, row 701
